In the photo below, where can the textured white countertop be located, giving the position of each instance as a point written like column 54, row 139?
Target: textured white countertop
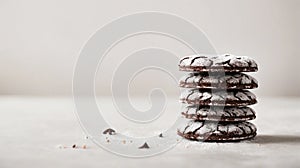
column 33, row 129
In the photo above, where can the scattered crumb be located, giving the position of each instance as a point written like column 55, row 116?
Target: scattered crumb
column 107, row 141
column 109, row 131
column 124, row 142
column 130, row 141
column 144, row 146
column 160, row 135
column 84, row 146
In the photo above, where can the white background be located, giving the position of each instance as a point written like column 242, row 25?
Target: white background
column 41, row 40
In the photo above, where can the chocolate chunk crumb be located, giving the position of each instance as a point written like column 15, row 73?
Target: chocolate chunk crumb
column 160, row 135
column 74, row 146
column 144, row 146
column 109, row 131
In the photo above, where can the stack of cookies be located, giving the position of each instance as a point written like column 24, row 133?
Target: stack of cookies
column 216, row 97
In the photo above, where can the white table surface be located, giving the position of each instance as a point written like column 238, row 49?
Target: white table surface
column 32, row 128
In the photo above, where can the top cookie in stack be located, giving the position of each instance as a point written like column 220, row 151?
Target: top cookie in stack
column 226, row 63
column 217, row 95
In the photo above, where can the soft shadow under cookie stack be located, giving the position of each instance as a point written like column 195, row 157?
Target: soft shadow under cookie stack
column 217, row 98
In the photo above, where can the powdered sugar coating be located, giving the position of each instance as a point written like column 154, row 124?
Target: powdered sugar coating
column 218, row 97
column 210, row 63
column 199, row 130
column 229, row 81
column 217, row 113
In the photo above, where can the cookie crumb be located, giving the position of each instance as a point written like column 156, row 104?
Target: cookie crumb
column 107, row 141
column 160, row 135
column 74, row 146
column 124, row 142
column 109, row 131
column 144, row 146
column 84, row 147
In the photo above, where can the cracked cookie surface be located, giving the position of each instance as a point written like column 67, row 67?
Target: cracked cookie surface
column 214, row 131
column 216, row 113
column 217, row 63
column 218, row 97
column 218, row 81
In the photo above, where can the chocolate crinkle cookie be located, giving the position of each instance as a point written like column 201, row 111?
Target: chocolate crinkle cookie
column 218, row 97
column 219, row 113
column 205, row 80
column 217, row 131
column 215, row 63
